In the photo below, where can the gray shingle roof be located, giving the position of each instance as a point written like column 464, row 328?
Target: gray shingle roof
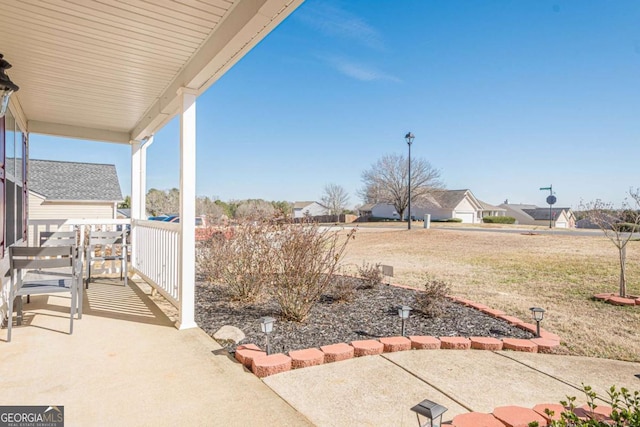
column 57, row 180
column 542, row 214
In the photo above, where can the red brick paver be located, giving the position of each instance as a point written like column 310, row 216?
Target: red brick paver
column 270, row 365
column 476, row 419
column 603, row 297
column 337, row 352
column 518, row 416
column 455, row 343
column 424, row 343
column 477, row 305
column 545, row 345
column 305, row 358
column 511, row 320
column 549, row 335
column 519, row 345
column 246, row 353
column 367, row 347
column 492, row 312
column 528, row 327
column 555, row 407
column 392, row 344
column 485, row 343
column 600, row 413
column 621, row 301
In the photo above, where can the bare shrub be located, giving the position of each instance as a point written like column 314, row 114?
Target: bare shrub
column 371, row 275
column 305, row 260
column 344, row 288
column 431, row 301
column 242, row 260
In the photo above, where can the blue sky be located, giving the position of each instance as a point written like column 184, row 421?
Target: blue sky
column 504, row 97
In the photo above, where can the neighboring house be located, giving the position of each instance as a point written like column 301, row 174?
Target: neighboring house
column 302, row 209
column 533, row 215
column 123, row 213
column 490, row 210
column 64, row 190
column 441, row 204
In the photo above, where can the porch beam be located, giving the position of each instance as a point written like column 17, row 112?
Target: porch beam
column 68, row 131
column 187, row 280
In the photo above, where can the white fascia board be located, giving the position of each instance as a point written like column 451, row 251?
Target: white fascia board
column 245, row 26
column 77, row 132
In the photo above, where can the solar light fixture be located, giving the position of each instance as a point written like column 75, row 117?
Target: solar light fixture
column 409, row 137
column 431, row 410
column 7, row 87
column 538, row 315
column 266, row 324
column 404, row 312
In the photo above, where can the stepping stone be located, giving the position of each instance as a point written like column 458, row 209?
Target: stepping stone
column 367, row 347
column 337, row 352
column 392, row 344
column 455, row 343
column 305, row 358
column 519, row 345
column 511, row 320
column 555, row 407
column 229, row 333
column 621, row 301
column 493, row 313
column 424, row 343
column 485, row 343
column 270, row 365
column 518, row 416
column 246, row 353
column 545, row 345
column 476, row 419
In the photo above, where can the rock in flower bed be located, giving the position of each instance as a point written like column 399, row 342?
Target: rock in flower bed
column 373, row 313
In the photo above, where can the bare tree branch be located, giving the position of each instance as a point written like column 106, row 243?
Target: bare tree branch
column 335, row 197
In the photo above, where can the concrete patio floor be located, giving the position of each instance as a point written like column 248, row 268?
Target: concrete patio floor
column 126, row 365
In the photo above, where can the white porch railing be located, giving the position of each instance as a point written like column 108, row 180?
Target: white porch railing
column 157, row 251
column 156, row 248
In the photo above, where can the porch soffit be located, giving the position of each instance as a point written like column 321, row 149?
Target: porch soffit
column 110, row 71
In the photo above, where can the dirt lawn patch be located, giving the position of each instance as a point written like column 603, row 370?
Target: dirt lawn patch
column 512, row 272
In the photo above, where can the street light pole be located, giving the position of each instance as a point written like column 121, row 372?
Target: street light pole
column 409, row 137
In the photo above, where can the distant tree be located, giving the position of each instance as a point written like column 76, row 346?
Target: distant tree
column 126, row 203
column 618, row 225
column 335, row 197
column 207, row 207
column 255, row 210
column 285, row 208
column 387, row 181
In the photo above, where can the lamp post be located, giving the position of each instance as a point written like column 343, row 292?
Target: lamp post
column 404, row 312
column 431, row 410
column 409, row 137
column 7, row 87
column 266, row 324
column 551, row 199
column 538, row 315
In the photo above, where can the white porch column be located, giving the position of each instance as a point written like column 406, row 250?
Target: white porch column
column 187, row 208
column 138, row 187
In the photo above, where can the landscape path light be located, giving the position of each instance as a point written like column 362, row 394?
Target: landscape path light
column 266, row 324
column 538, row 315
column 431, row 410
column 404, row 312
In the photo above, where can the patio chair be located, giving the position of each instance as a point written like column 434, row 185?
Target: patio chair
column 108, row 246
column 42, row 270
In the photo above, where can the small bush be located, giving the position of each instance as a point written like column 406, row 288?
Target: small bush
column 344, row 288
column 499, row 220
column 371, row 275
column 447, row 220
column 627, row 227
column 432, row 301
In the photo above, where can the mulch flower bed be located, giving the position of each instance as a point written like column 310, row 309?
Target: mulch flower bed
column 372, row 314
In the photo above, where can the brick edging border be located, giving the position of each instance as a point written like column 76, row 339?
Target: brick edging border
column 262, row 365
column 615, row 299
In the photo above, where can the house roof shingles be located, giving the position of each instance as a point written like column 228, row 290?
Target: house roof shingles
column 57, row 180
column 542, row 214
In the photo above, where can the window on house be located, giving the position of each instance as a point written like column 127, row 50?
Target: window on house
column 12, row 185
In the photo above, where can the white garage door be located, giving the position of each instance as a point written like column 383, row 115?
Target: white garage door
column 466, row 217
column 561, row 224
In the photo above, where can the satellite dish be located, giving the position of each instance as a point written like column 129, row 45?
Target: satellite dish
column 551, row 200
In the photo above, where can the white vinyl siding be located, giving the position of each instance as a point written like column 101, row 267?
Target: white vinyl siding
column 39, row 209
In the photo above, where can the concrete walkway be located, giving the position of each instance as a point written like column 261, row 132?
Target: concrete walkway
column 127, row 365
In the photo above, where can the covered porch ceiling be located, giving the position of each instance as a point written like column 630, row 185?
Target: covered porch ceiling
column 109, row 70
